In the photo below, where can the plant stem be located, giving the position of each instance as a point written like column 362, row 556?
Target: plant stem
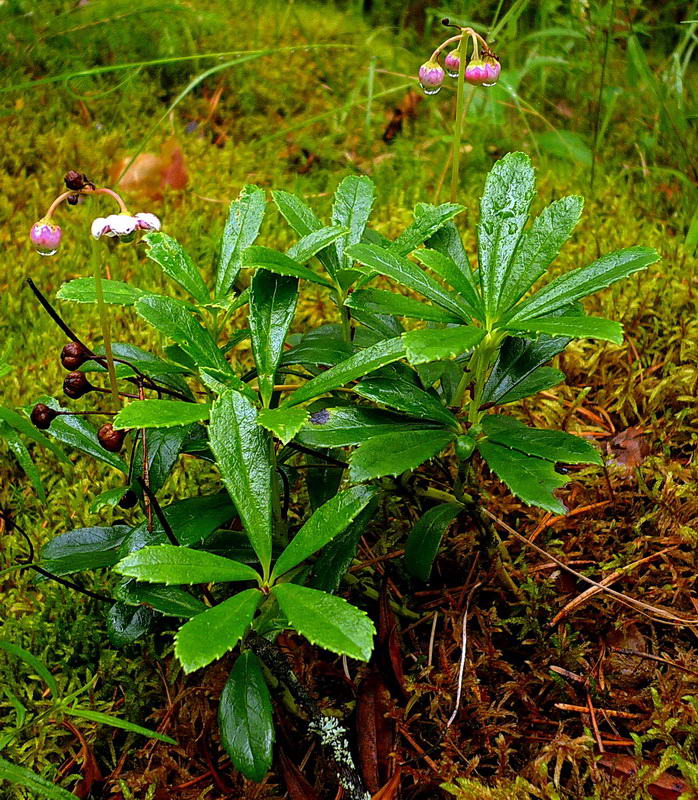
column 104, row 320
column 458, row 127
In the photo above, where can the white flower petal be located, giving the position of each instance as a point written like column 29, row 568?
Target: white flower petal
column 99, row 227
column 121, row 224
column 147, row 221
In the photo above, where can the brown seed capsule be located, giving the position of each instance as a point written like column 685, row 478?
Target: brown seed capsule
column 129, row 499
column 110, row 438
column 74, row 355
column 76, row 385
column 42, row 416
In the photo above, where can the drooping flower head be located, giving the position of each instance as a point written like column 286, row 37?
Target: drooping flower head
column 431, row 76
column 124, row 226
column 452, row 63
column 45, row 236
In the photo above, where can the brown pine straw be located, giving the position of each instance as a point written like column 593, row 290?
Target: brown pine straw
column 652, row 612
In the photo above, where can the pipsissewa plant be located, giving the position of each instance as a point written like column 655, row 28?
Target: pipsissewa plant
column 400, row 397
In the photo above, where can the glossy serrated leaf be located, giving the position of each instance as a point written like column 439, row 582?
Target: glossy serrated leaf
column 284, row 423
column 380, row 301
column 352, row 206
column 174, row 321
column 173, row 566
column 174, row 260
column 308, row 246
column 245, row 718
column 82, row 290
column 126, row 624
column 537, row 381
column 574, row 327
column 404, row 396
column 208, row 636
column 273, row 300
column 395, row 453
column 259, row 257
column 243, row 454
column 163, row 446
column 107, row 499
column 245, row 217
column 424, row 539
column 320, row 347
column 168, row 600
column 22, row 425
column 356, row 366
column 160, row 414
column 579, row 283
column 446, row 268
column 447, row 240
column 407, row 273
column 538, row 248
column 509, row 190
column 428, row 220
column 548, row 444
column 84, row 548
column 529, row 478
column 434, row 344
column 345, row 426
column 326, row 522
column 326, row 620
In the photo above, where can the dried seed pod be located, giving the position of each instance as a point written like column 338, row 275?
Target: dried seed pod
column 110, row 438
column 76, row 385
column 74, row 355
column 42, row 416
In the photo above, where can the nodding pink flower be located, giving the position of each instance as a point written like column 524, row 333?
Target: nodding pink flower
column 452, row 63
column 147, row 222
column 431, row 76
column 45, row 237
column 481, row 72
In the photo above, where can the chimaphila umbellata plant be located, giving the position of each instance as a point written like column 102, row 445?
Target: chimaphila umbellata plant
column 348, row 406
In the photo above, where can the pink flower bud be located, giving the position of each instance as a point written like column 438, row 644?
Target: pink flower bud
column 45, row 237
column 494, row 69
column 431, row 76
column 476, row 72
column 452, row 63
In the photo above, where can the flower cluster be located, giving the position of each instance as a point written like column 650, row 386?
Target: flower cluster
column 483, row 68
column 45, row 235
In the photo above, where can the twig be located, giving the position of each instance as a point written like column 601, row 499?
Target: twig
column 609, row 711
column 461, row 669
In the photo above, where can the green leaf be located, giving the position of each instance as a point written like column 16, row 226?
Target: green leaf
column 163, row 446
column 284, row 423
column 38, row 786
column 428, row 220
column 171, row 319
column 176, row 262
column 327, row 521
column 191, row 520
column 168, row 600
column 311, row 245
column 379, row 301
column 574, row 327
column 243, row 454
column 242, row 228
column 82, row 290
column 320, row 347
column 447, row 241
column 245, row 718
column 208, row 636
column 160, row 414
column 405, row 272
column 125, row 624
column 115, row 722
column 20, row 452
column 173, row 565
column 518, row 359
column 446, row 268
column 304, row 221
column 32, row 661
column 551, row 445
column 532, row 479
column 74, row 431
column 273, row 301
column 584, row 281
column 83, row 548
column 407, row 397
column 107, row 499
column 422, row 544
column 396, row 453
column 22, row 425
column 539, row 247
column 538, row 381
column 259, row 257
column 345, row 426
column 434, row 344
column 509, row 190
column 326, row 620
column 353, row 202
column 358, row 365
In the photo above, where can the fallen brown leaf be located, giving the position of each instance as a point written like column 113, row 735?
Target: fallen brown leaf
column 376, row 733
column 629, row 447
column 663, row 787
